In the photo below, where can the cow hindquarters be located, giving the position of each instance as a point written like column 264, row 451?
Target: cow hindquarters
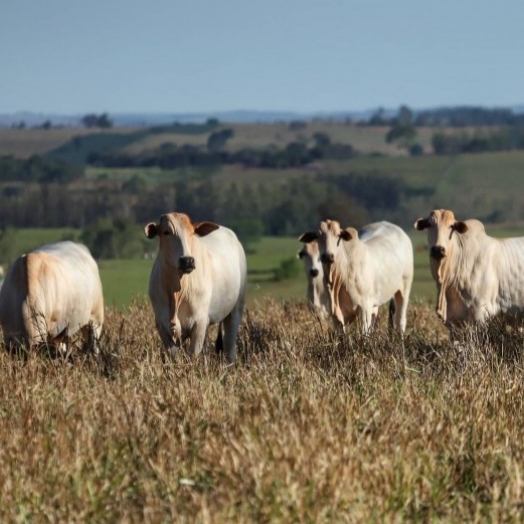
column 35, row 323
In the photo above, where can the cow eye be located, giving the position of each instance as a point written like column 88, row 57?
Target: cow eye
column 166, row 232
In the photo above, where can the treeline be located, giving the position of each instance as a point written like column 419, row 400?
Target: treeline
column 170, row 156
column 38, row 169
column 252, row 208
column 459, row 116
column 479, row 141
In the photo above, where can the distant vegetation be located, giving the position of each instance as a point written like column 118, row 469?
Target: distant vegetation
column 263, row 179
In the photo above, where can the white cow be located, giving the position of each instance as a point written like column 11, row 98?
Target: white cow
column 50, row 294
column 366, row 271
column 198, row 278
column 318, row 293
column 477, row 276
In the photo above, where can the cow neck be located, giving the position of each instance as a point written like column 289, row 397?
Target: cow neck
column 183, row 286
column 350, row 263
column 454, row 270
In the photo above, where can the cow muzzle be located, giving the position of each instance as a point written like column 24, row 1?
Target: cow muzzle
column 437, row 252
column 327, row 258
column 186, row 264
column 313, row 272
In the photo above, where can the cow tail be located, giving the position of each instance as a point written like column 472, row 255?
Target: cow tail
column 391, row 315
column 219, row 343
column 32, row 313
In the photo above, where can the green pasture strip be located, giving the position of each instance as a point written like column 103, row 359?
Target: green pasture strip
column 124, row 280
column 30, row 238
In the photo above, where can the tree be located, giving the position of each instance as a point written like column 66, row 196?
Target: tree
column 217, row 140
column 321, row 139
column 114, row 238
column 92, row 120
column 248, row 230
column 403, row 129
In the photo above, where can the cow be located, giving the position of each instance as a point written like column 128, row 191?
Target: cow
column 477, row 276
column 198, row 278
column 366, row 270
column 51, row 293
column 318, row 293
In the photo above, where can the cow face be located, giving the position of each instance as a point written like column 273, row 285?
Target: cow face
column 329, row 236
column 441, row 225
column 310, row 255
column 176, row 232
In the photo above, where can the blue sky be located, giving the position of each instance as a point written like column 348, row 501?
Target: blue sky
column 77, row 56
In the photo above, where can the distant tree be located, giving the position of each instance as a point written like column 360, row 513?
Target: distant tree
column 416, row 150
column 135, row 185
column 378, row 118
column 402, row 130
column 405, row 116
column 217, row 140
column 92, row 120
column 321, row 139
column 343, row 208
column 248, row 230
column 287, row 269
column 401, row 133
column 297, row 125
column 104, row 122
column 46, row 125
column 114, row 238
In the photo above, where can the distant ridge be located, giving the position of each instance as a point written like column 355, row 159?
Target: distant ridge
column 152, row 119
column 31, row 119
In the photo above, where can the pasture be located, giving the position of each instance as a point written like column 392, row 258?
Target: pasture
column 307, row 427
column 125, row 280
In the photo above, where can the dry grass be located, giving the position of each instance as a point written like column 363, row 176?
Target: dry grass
column 307, row 427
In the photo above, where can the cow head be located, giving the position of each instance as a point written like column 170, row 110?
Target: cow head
column 176, row 232
column 310, row 255
column 441, row 225
column 329, row 236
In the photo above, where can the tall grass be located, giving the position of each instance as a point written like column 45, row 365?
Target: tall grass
column 309, row 426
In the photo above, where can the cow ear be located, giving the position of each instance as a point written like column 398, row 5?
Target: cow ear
column 151, row 230
column 308, row 237
column 204, row 228
column 460, row 227
column 421, row 224
column 347, row 234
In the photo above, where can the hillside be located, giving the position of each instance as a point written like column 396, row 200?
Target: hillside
column 61, row 142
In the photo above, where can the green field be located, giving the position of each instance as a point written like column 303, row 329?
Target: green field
column 124, row 280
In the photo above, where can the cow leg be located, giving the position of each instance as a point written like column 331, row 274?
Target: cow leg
column 197, row 338
column 401, row 308
column 167, row 340
column 366, row 319
column 231, row 326
column 91, row 336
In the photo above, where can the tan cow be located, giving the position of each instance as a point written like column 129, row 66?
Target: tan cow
column 477, row 276
column 367, row 269
column 50, row 294
column 318, row 293
column 198, row 278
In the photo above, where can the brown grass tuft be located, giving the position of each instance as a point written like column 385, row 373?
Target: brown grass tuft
column 309, row 426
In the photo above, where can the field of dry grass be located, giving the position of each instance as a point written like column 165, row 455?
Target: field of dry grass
column 307, row 427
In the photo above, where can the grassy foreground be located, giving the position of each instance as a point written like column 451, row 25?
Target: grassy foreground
column 307, row 427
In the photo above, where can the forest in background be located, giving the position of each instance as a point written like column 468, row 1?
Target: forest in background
column 260, row 179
